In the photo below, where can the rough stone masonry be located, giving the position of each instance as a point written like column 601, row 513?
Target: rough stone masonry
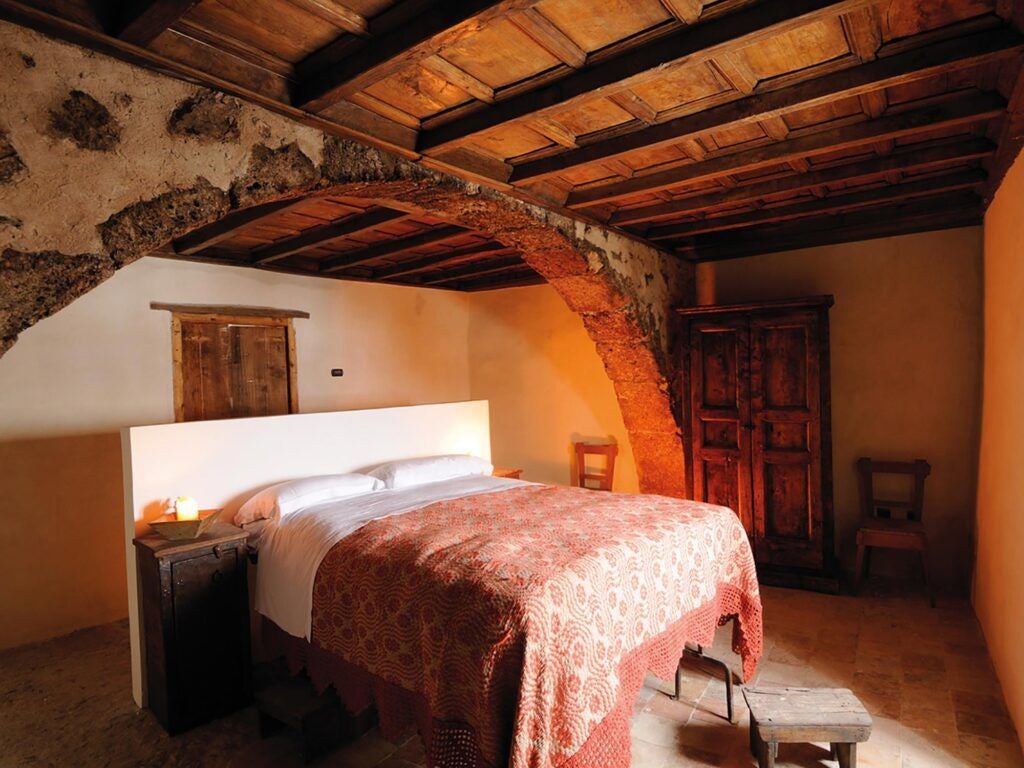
column 102, row 162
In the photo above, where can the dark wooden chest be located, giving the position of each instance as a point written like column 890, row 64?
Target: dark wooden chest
column 195, row 618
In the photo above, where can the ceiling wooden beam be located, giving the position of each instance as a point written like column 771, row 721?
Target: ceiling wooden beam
column 850, row 173
column 1011, row 139
column 139, row 22
column 337, row 14
column 212, row 234
column 961, row 109
column 957, row 209
column 390, row 248
column 512, row 279
column 476, row 269
column 435, row 27
column 605, row 78
column 427, row 263
column 325, row 235
column 831, row 204
column 940, row 58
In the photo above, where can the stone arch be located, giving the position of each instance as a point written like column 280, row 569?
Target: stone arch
column 622, row 289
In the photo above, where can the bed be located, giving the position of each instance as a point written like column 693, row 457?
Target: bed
column 512, row 623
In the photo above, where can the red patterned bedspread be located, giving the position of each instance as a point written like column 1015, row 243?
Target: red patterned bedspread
column 521, row 622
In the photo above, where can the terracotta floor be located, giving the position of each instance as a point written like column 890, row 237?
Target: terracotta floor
column 924, row 675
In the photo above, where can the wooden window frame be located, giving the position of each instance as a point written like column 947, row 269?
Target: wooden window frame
column 229, row 315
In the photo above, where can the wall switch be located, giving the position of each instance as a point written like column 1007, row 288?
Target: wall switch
column 337, row 372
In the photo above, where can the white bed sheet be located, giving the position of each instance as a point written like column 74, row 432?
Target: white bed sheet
column 291, row 551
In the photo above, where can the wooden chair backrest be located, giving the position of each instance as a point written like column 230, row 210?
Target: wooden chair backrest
column 871, row 507
column 602, row 478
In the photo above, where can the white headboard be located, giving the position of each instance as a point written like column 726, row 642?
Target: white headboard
column 222, row 463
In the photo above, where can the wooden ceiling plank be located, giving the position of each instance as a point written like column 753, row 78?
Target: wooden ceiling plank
column 435, row 27
column 328, row 233
column 494, row 283
column 337, row 14
column 459, row 77
column 964, row 108
column 390, row 248
column 448, row 258
column 920, row 159
column 832, row 203
column 952, row 210
column 861, row 80
column 477, row 269
column 204, row 237
column 139, row 22
column 548, row 36
column 685, row 45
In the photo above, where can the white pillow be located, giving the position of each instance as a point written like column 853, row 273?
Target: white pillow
column 283, row 499
column 430, row 469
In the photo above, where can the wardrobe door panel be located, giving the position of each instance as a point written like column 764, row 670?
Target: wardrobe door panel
column 785, row 384
column 720, row 414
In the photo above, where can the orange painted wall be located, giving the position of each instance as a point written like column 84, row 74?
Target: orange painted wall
column 999, row 567
column 530, row 355
column 906, row 370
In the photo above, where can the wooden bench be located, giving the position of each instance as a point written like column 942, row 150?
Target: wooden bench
column 788, row 715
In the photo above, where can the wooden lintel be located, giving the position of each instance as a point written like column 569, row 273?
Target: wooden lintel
column 961, row 109
column 874, row 76
column 233, row 310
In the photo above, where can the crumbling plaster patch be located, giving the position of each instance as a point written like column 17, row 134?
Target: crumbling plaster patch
column 112, row 207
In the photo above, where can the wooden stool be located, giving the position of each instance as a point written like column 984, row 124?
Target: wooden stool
column 319, row 719
column 787, row 715
column 602, row 478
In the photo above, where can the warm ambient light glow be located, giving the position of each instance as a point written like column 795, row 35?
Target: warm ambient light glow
column 186, row 508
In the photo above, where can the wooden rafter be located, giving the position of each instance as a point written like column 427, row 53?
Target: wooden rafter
column 959, row 110
column 210, row 235
column 476, row 269
column 428, row 263
column 957, row 209
column 139, row 22
column 326, row 234
column 433, row 28
column 943, row 57
column 831, row 204
column 850, row 173
column 687, row 45
column 336, row 13
column 390, row 248
column 511, row 279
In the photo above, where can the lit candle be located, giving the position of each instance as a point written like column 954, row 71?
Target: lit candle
column 186, row 508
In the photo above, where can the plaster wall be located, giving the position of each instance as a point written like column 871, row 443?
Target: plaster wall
column 999, row 567
column 906, row 370
column 531, row 358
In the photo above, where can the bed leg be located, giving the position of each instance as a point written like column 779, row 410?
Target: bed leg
column 698, row 653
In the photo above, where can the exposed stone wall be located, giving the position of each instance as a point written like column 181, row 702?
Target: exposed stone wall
column 112, row 161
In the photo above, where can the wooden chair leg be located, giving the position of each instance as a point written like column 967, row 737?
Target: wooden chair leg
column 847, row 754
column 927, row 580
column 858, row 568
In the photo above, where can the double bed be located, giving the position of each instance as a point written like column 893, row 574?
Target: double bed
column 511, row 623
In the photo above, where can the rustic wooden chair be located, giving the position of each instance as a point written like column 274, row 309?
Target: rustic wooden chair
column 880, row 526
column 602, row 478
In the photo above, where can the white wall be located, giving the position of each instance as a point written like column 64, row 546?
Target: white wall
column 105, row 361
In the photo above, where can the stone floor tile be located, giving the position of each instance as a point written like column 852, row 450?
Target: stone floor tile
column 984, row 752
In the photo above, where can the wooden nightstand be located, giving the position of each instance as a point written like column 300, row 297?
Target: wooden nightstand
column 195, row 619
column 515, row 474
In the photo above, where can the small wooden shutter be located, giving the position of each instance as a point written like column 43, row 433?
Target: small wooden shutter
column 233, row 367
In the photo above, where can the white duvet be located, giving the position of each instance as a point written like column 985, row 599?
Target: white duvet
column 291, row 551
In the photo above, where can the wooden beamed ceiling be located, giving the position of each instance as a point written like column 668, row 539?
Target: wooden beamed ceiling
column 355, row 239
column 712, row 128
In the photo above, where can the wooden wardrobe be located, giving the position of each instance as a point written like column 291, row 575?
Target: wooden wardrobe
column 757, row 429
